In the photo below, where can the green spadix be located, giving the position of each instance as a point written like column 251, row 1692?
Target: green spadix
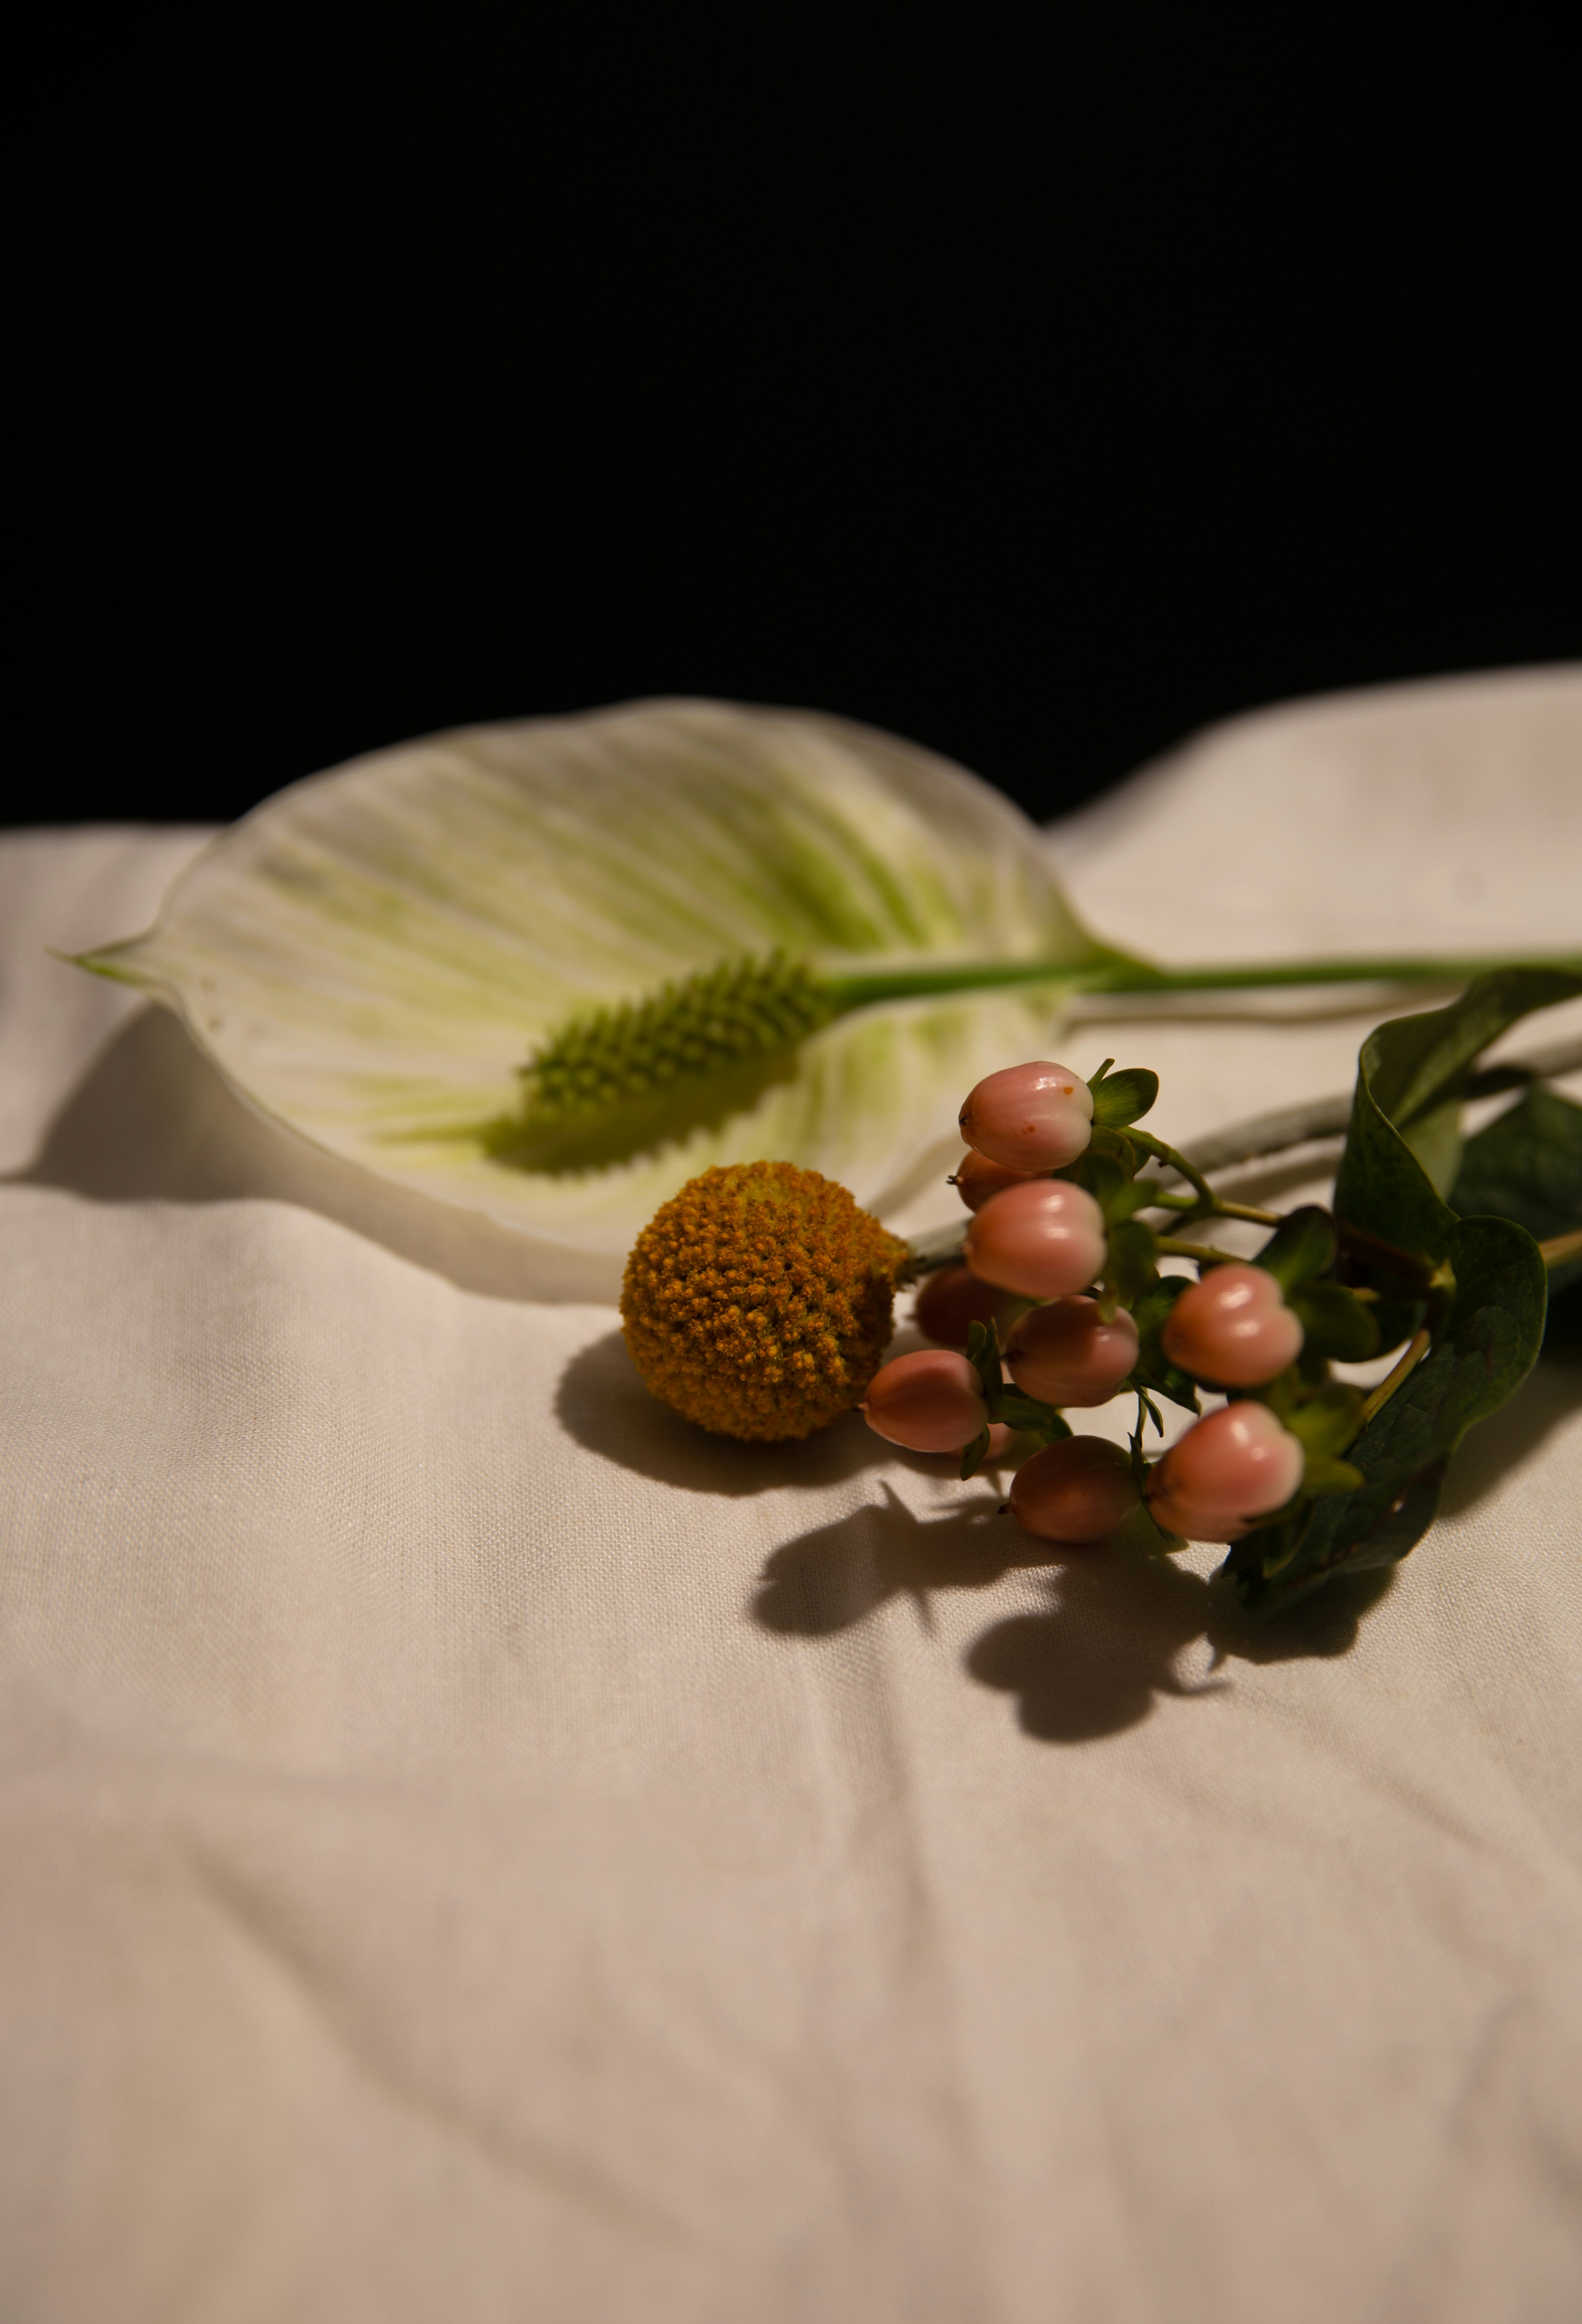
column 611, row 1080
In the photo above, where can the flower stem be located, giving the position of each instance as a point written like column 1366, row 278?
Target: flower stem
column 1329, row 1117
column 1206, row 1204
column 1417, row 1348
column 1112, row 972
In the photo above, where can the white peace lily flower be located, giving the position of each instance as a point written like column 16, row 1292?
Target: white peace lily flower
column 371, row 956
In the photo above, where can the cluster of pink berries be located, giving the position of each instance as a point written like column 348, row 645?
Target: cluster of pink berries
column 1041, row 1237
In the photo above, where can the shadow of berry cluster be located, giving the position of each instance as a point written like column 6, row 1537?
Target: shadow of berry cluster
column 1103, row 1652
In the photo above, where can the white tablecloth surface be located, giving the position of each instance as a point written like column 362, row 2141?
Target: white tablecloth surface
column 476, row 1849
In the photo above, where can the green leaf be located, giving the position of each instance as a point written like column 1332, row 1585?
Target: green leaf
column 1153, row 1368
column 1489, row 1344
column 1327, row 1421
column 1403, row 1145
column 1132, row 1264
column 983, row 1354
column 1270, row 1550
column 372, row 956
column 1111, row 1151
column 1336, row 1324
column 1026, row 1414
column 972, row 1456
column 1124, row 1097
column 1398, row 1320
column 1323, row 1474
column 1301, row 1245
column 1528, row 1166
column 1103, row 1177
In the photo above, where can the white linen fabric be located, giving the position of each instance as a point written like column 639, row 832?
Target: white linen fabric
column 474, row 1848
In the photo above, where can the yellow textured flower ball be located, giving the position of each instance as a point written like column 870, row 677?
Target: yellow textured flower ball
column 757, row 1302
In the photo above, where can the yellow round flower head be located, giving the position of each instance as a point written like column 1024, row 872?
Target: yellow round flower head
column 757, row 1302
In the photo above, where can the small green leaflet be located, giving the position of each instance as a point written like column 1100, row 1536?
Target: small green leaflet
column 1153, row 1368
column 1007, row 1405
column 1120, row 1099
column 1301, row 1245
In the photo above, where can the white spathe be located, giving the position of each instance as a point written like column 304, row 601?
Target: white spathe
column 371, row 955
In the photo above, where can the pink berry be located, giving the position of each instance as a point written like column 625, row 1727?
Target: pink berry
column 930, row 1402
column 976, row 1178
column 1066, row 1353
column 1239, row 1464
column 1044, row 1239
column 1036, row 1117
column 1194, row 1524
column 1233, row 1327
column 953, row 1299
column 1077, row 1490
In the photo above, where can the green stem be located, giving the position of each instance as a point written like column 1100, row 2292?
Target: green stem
column 1205, row 1202
column 1177, row 1248
column 1113, row 973
column 1177, row 1162
column 1417, row 1348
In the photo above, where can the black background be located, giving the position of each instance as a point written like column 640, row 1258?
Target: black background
column 1039, row 394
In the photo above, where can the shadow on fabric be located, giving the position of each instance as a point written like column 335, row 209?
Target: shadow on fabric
column 1549, row 1395
column 1105, row 1652
column 152, row 1121
column 839, row 1573
column 602, row 1403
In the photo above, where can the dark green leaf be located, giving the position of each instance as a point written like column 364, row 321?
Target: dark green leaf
column 1026, row 1414
column 1153, row 1368
column 983, row 1354
column 1397, row 1320
column 1103, row 1176
column 1402, row 1148
column 1163, row 1379
column 1487, row 1347
column 1335, row 1323
column 1270, row 1547
column 1124, row 1097
column 1301, row 1245
column 1154, row 1307
column 1133, row 1259
column 1528, row 1166
column 972, row 1456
